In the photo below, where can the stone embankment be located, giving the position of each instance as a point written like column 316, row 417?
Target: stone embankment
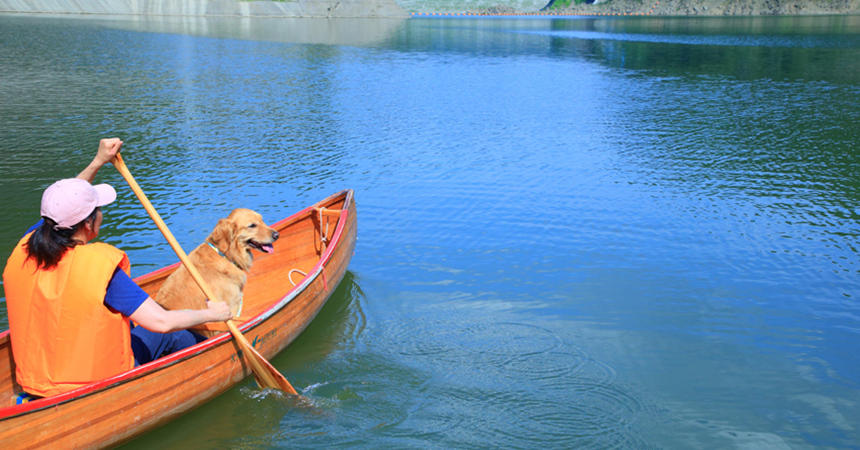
column 294, row 8
column 390, row 8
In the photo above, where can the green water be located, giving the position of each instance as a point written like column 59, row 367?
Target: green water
column 572, row 233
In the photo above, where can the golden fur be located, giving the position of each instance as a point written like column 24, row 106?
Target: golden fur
column 234, row 236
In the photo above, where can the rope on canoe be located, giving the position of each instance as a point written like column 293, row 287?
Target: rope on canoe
column 323, row 235
column 325, row 212
column 290, row 275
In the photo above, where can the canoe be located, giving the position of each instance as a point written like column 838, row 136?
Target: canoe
column 313, row 252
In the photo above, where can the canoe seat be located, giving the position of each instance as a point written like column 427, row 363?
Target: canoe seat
column 330, row 212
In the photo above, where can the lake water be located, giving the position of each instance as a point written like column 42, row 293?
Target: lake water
column 574, row 232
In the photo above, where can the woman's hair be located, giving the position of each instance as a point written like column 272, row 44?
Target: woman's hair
column 48, row 244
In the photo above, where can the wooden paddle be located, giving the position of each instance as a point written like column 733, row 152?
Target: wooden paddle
column 265, row 374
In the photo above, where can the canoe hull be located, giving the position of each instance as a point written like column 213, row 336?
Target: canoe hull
column 124, row 406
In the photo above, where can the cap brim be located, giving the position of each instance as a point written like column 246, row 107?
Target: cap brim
column 106, row 194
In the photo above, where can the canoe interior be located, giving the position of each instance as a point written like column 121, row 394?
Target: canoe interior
column 299, row 247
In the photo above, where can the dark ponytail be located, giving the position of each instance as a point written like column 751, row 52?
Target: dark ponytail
column 48, row 244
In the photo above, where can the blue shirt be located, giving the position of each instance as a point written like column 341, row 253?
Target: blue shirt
column 123, row 294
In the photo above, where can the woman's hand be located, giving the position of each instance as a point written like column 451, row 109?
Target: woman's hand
column 220, row 311
column 108, row 148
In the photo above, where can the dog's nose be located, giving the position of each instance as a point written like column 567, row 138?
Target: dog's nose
column 275, row 235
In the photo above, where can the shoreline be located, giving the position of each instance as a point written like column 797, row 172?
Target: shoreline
column 721, row 7
column 705, row 8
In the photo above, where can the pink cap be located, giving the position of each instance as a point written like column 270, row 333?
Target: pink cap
column 70, row 201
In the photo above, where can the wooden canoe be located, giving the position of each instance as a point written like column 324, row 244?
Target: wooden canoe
column 317, row 241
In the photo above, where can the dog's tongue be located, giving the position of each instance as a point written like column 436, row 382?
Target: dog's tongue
column 268, row 248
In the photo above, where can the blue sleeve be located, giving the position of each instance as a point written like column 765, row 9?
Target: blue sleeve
column 124, row 295
column 37, row 225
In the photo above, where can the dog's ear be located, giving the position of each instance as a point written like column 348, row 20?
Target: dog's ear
column 223, row 234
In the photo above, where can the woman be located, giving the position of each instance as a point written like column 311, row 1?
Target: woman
column 69, row 301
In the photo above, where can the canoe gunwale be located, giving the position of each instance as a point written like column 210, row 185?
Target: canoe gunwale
column 209, row 344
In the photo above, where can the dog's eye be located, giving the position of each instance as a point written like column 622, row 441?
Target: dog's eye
column 253, row 225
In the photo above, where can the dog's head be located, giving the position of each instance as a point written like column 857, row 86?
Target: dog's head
column 239, row 233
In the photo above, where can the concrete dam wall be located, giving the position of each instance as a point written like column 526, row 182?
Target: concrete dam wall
column 237, row 8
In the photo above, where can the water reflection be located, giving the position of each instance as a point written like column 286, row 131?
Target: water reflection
column 746, row 48
column 336, row 31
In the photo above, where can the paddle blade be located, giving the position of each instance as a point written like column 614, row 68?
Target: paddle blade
column 272, row 378
column 264, row 372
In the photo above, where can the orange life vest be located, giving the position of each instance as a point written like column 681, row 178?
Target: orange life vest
column 63, row 335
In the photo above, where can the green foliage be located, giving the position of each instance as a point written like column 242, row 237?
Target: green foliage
column 561, row 4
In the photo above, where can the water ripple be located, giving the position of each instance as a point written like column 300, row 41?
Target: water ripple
column 520, row 373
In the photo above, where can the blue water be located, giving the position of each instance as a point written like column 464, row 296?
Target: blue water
column 572, row 232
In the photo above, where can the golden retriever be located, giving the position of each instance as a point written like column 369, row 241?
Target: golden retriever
column 223, row 260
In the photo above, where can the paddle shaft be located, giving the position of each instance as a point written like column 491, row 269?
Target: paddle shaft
column 265, row 374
